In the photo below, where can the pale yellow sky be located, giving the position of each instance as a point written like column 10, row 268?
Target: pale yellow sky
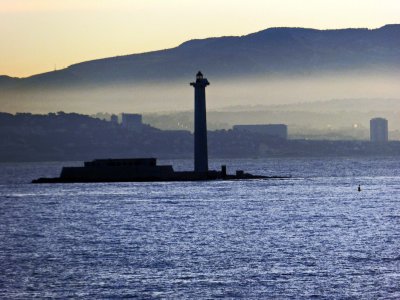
column 39, row 35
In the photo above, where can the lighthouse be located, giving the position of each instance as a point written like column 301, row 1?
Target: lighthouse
column 146, row 169
column 200, row 124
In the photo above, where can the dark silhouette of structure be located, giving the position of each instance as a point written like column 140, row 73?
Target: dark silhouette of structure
column 137, row 170
column 146, row 169
column 200, row 124
column 132, row 121
column 114, row 119
column 379, row 130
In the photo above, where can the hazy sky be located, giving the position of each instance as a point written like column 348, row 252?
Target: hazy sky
column 40, row 35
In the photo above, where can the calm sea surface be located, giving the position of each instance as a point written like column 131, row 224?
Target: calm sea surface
column 312, row 236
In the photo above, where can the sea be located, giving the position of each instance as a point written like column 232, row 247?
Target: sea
column 311, row 236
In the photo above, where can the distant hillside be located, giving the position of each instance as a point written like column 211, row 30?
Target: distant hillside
column 6, row 81
column 373, row 105
column 269, row 52
column 273, row 66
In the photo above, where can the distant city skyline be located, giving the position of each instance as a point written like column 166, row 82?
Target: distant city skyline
column 43, row 35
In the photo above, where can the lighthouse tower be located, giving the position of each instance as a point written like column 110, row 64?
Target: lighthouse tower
column 200, row 124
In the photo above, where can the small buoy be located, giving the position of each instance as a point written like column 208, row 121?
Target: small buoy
column 359, row 188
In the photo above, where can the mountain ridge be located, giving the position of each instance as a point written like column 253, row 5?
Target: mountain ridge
column 276, row 65
column 269, row 52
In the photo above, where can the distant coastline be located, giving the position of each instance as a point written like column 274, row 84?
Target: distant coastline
column 75, row 137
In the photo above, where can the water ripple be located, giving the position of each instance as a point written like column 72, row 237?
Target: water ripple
column 309, row 237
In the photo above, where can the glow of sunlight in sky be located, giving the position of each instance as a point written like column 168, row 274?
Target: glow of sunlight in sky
column 43, row 35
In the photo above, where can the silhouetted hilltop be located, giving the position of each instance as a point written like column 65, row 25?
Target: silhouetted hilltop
column 7, row 81
column 274, row 51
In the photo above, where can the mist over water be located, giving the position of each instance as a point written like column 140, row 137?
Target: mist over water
column 169, row 96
